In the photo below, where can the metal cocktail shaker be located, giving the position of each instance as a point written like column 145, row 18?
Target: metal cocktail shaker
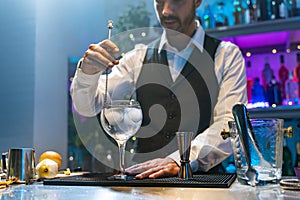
column 21, row 164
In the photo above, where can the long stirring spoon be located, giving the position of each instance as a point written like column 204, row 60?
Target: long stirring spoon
column 110, row 27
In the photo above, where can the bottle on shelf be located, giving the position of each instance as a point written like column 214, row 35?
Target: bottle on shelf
column 274, row 9
column 292, row 8
column 267, row 73
column 297, row 8
column 283, row 9
column 291, row 89
column 283, row 75
column 258, row 91
column 238, row 12
column 262, row 10
column 250, row 12
column 274, row 93
column 220, row 16
column 208, row 18
column 297, row 73
column 298, row 154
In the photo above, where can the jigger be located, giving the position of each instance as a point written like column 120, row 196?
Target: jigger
column 184, row 145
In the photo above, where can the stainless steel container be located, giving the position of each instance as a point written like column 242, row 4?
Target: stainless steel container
column 21, row 164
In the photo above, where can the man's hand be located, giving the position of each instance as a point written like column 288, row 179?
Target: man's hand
column 99, row 57
column 155, row 168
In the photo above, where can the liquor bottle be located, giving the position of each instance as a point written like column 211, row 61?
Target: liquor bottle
column 283, row 9
column 262, row 10
column 287, row 166
column 220, row 16
column 298, row 154
column 297, row 7
column 292, row 8
column 208, row 18
column 274, row 9
column 238, row 12
column 250, row 13
column 283, row 74
column 297, row 73
column 291, row 89
column 267, row 73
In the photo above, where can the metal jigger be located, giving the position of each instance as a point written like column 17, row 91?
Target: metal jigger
column 184, row 145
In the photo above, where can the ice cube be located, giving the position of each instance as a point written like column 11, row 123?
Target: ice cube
column 133, row 114
column 132, row 117
column 114, row 116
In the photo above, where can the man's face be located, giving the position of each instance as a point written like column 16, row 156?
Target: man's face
column 177, row 15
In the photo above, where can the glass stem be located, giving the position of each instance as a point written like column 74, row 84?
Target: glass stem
column 122, row 156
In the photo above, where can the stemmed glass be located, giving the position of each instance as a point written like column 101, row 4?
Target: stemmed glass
column 121, row 119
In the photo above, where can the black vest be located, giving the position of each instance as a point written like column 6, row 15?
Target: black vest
column 184, row 105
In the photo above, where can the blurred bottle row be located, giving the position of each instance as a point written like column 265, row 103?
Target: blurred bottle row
column 247, row 11
column 283, row 90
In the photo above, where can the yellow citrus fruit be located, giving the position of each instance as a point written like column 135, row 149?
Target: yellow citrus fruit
column 52, row 155
column 47, row 168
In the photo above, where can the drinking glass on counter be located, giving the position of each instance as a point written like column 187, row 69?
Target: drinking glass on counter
column 121, row 119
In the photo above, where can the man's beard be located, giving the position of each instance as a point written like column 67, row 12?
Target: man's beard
column 182, row 25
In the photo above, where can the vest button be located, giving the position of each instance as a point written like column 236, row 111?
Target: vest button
column 173, row 96
column 171, row 116
column 167, row 135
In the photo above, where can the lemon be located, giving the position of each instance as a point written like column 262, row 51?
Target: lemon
column 52, row 155
column 47, row 168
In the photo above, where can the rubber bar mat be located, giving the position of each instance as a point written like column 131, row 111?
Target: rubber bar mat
column 98, row 179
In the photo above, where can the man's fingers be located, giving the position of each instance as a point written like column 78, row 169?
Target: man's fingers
column 169, row 170
column 101, row 53
column 158, row 174
column 136, row 169
column 110, row 46
column 154, row 169
column 148, row 173
column 98, row 58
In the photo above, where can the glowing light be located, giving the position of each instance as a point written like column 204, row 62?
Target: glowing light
column 290, row 103
column 108, row 157
column 131, row 150
column 71, row 158
column 274, row 105
column 274, row 51
column 258, row 105
column 288, row 50
column 248, row 54
column 133, row 138
column 131, row 36
column 298, row 47
column 143, row 34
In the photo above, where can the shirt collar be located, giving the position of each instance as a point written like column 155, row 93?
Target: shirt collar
column 197, row 40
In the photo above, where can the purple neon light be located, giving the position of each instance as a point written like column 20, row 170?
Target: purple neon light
column 259, row 40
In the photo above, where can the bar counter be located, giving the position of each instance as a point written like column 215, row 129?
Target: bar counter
column 235, row 192
column 284, row 112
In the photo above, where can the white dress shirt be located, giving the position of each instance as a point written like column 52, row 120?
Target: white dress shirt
column 177, row 59
column 208, row 149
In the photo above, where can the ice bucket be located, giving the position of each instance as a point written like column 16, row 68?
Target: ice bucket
column 265, row 148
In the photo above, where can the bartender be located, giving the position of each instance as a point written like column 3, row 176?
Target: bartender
column 195, row 78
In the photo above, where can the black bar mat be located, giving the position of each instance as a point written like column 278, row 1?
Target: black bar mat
column 98, row 179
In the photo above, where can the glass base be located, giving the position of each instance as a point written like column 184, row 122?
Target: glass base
column 120, row 177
